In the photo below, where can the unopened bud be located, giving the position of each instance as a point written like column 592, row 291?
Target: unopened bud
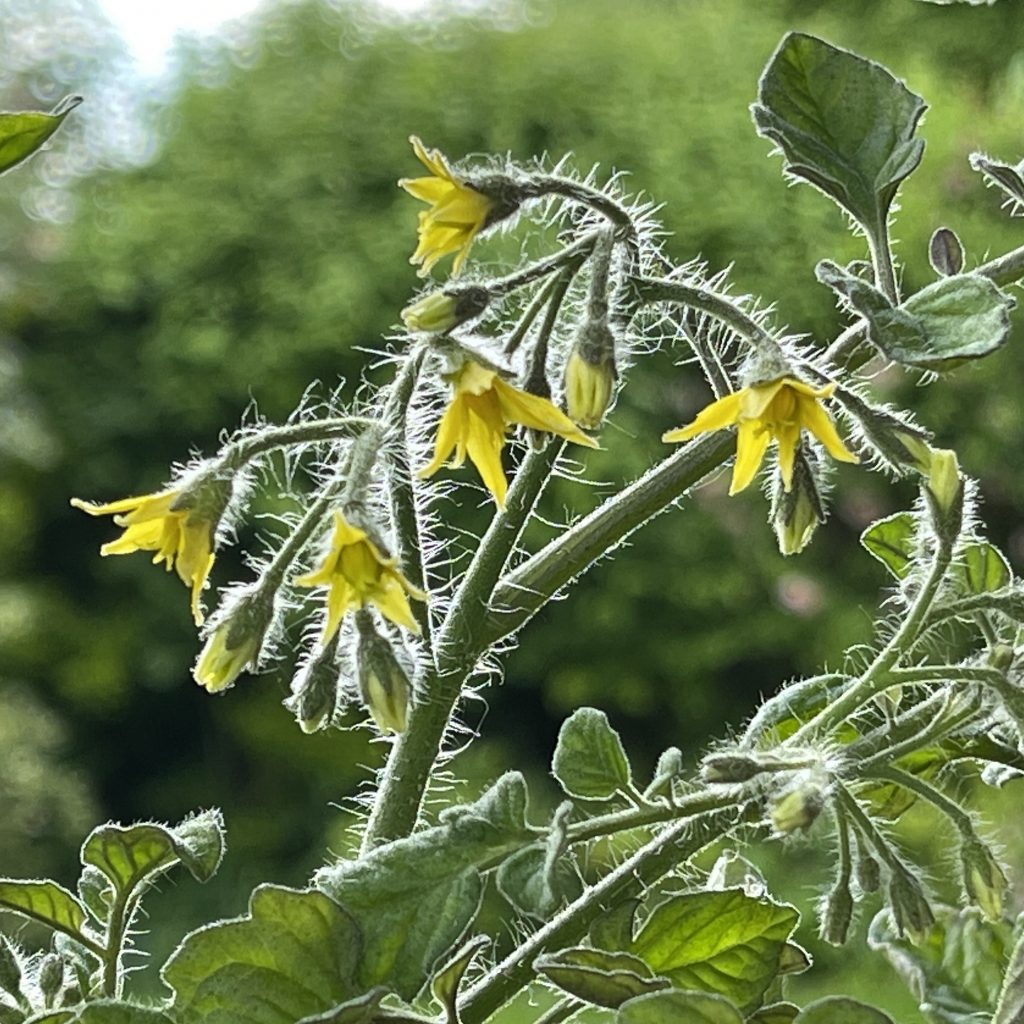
column 383, row 683
column 51, row 977
column 911, row 910
column 796, row 513
column 946, row 252
column 944, row 494
column 590, row 374
column 10, row 969
column 983, row 879
column 729, row 768
column 869, row 874
column 234, row 642
column 837, row 914
column 315, row 688
column 668, row 769
column 799, row 807
column 443, row 310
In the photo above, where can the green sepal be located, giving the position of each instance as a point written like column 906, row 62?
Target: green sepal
column 590, row 761
column 600, row 977
column 844, row 124
column 841, row 1010
column 21, row 134
column 46, row 903
column 892, row 541
column 293, row 955
column 957, row 967
column 445, row 985
column 676, row 1007
column 129, row 855
column 723, row 942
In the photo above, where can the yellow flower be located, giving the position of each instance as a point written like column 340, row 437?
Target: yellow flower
column 481, row 411
column 777, row 409
column 358, row 573
column 225, row 656
column 458, row 212
column 588, row 389
column 181, row 537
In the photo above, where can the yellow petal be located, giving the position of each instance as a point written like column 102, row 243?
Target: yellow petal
column 536, row 412
column 451, row 434
column 484, row 442
column 429, row 190
column 756, row 399
column 390, row 599
column 751, row 443
column 814, row 417
column 715, row 416
column 339, row 600
column 789, row 439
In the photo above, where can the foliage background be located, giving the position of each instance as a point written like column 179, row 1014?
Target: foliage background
column 180, row 259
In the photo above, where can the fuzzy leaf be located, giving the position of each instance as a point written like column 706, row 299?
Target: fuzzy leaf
column 613, row 930
column 844, row 124
column 45, row 902
column 416, row 897
column 1007, row 177
column 21, row 134
column 590, row 761
column 957, row 969
column 1010, row 1005
column 723, row 942
column 104, row 1011
column 295, row 954
column 445, row 985
column 840, row 1010
column 599, row 977
column 130, row 855
column 360, row 1010
column 983, row 568
column 891, row 540
column 676, row 1007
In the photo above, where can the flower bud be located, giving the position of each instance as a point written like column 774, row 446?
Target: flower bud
column 590, row 374
column 946, row 252
column 443, row 310
column 234, row 642
column 944, row 495
column 315, row 688
column 836, row 914
column 797, row 512
column 10, row 969
column 51, row 977
column 718, row 768
column 911, row 911
column 983, row 879
column 869, row 874
column 383, row 683
column 799, row 807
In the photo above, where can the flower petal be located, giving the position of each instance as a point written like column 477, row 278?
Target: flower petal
column 815, row 418
column 716, row 416
column 539, row 413
column 788, row 437
column 391, row 601
column 752, row 441
column 451, row 434
column 485, row 438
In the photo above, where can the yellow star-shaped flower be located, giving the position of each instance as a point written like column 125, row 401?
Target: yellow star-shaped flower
column 482, row 408
column 181, row 538
column 358, row 573
column 457, row 214
column 777, row 409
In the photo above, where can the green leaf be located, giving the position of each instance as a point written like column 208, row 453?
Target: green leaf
column 360, row 1010
column 293, row 955
column 891, row 541
column 415, row 898
column 590, row 761
column 104, row 1011
column 776, row 1013
column 958, row 967
column 723, row 942
column 599, row 977
column 677, row 1007
column 733, row 871
column 844, row 124
column 445, row 985
column 1010, row 1005
column 613, row 930
column 794, row 959
column 841, row 1010
column 1007, row 177
column 21, row 134
column 130, row 855
column 45, row 902
column 983, row 568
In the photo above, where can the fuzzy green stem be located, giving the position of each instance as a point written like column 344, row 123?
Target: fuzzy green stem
column 243, row 449
column 571, row 255
column 881, row 260
column 592, row 197
column 537, row 303
column 956, row 814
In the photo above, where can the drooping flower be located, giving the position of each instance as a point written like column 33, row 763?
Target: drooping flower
column 358, row 573
column 588, row 389
column 482, row 408
column 181, row 537
column 458, row 211
column 777, row 409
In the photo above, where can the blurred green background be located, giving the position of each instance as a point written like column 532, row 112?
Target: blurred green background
column 177, row 255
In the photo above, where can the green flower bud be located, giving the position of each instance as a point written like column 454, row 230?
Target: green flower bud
column 911, row 911
column 836, row 914
column 726, row 768
column 983, row 878
column 234, row 642
column 10, row 969
column 440, row 311
column 798, row 807
column 944, row 495
column 51, row 977
column 869, row 874
column 384, row 686
column 796, row 513
column 315, row 688
column 590, row 374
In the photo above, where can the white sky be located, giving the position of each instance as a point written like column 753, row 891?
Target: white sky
column 149, row 26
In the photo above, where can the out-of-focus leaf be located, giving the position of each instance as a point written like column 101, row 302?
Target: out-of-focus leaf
column 295, row 954
column 590, row 761
column 891, row 540
column 44, row 901
column 676, row 1007
column 733, row 871
column 21, row 134
column 841, row 1010
column 360, row 1010
column 957, row 969
column 613, row 930
column 722, row 942
column 775, row 1013
column 1010, row 1005
column 599, row 977
column 1007, row 177
column 128, row 855
column 104, row 1011
column 415, row 898
column 445, row 985
column 844, row 124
